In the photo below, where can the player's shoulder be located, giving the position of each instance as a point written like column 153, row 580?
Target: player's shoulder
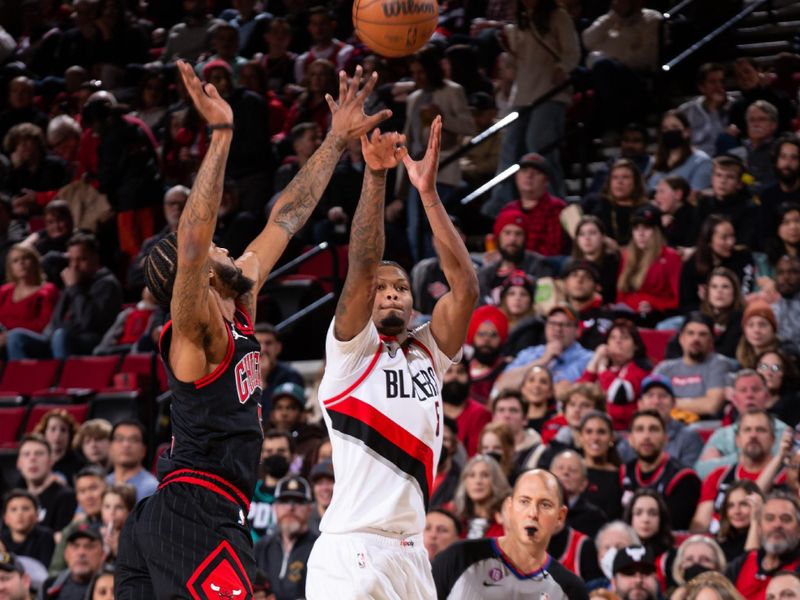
column 573, row 586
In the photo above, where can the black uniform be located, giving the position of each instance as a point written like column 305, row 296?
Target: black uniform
column 190, row 539
column 478, row 570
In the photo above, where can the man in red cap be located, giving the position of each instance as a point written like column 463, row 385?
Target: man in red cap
column 487, row 332
column 510, row 231
column 545, row 234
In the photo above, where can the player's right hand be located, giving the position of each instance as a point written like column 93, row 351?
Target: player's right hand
column 383, row 150
column 211, row 106
column 349, row 121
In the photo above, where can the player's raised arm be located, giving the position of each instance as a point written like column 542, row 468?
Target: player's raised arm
column 354, row 309
column 298, row 200
column 453, row 310
column 189, row 306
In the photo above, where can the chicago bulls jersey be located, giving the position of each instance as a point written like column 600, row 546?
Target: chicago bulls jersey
column 216, row 420
column 382, row 404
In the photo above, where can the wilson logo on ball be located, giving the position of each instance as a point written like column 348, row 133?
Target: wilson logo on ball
column 409, row 7
column 395, row 27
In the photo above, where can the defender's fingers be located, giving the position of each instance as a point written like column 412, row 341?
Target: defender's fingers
column 356, row 81
column 342, row 86
column 331, row 103
column 368, row 87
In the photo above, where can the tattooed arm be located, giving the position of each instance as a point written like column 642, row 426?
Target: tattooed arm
column 354, row 308
column 196, row 343
column 298, row 200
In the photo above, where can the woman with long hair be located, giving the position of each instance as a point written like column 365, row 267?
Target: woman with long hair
column 59, row 428
column 497, row 441
column 517, row 298
column 311, row 105
column 592, row 244
column 700, row 552
column 619, row 366
column 479, row 497
column 716, row 247
column 650, row 270
column 545, row 48
column 737, row 517
column 538, row 391
column 760, row 334
column 648, row 515
column 676, row 156
column 27, row 300
column 780, row 373
column 118, row 503
column 596, row 437
column 102, row 585
column 623, row 192
column 152, row 101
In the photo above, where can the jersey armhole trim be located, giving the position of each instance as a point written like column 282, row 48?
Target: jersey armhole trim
column 226, row 361
column 358, row 381
column 248, row 322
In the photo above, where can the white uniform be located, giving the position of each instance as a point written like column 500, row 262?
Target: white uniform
column 382, row 404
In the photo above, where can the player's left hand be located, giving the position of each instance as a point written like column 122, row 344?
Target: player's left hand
column 211, row 106
column 422, row 173
column 383, row 150
column 349, row 120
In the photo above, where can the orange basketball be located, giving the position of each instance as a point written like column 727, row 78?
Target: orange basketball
column 395, row 27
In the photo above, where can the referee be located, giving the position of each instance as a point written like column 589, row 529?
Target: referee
column 516, row 565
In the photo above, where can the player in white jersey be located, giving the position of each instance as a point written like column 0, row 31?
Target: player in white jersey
column 380, row 395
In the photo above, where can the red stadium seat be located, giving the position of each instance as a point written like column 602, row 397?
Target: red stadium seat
column 11, row 420
column 81, row 375
column 655, row 341
column 37, row 411
column 24, row 377
column 321, row 267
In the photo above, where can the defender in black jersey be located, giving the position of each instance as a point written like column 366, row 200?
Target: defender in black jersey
column 190, row 539
column 515, row 566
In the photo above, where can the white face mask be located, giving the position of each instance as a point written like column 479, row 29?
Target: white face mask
column 607, row 563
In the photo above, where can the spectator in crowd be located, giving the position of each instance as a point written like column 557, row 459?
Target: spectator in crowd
column 655, row 470
column 321, row 27
column 633, row 146
column 27, row 300
column 779, row 540
column 448, row 473
column 273, row 371
column 678, row 215
column 305, row 138
column 583, row 516
column 787, row 284
column 596, row 438
column 93, row 441
column 517, row 302
column 762, row 127
column 497, row 441
column 118, row 502
column 321, row 479
column 479, row 497
column 127, row 451
column 59, row 428
column 479, row 164
column 225, row 42
column 754, row 85
column 90, row 485
column 623, row 193
column 708, row 583
column 278, row 60
column 487, row 332
column 612, row 537
column 510, row 231
column 783, row 585
column 288, row 403
column 562, row 430
column 511, row 410
column 780, row 373
column 676, row 156
column 697, row 552
column 785, row 241
column 56, row 500
column 737, row 516
column 442, row 528
column 622, row 45
column 151, row 102
column 33, row 169
column 102, row 585
column 91, row 300
column 544, row 234
column 650, row 270
column 249, row 21
column 277, row 453
column 543, row 35
column 698, row 376
column 755, row 436
column 470, row 415
column 786, row 163
column 84, row 556
column 592, row 245
column 581, row 283
column 683, row 443
column 283, row 556
column 21, row 532
column 708, row 113
column 58, row 228
column 21, row 107
column 648, row 514
column 15, row 583
column 561, row 353
column 12, row 231
column 310, row 105
column 460, row 65
column 760, row 333
column 618, row 367
column 575, row 551
column 130, row 326
column 538, row 392
column 192, row 37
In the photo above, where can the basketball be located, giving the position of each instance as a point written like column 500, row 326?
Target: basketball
column 395, row 28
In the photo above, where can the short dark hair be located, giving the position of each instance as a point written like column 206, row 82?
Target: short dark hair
column 130, row 423
column 696, row 316
column 511, row 393
column 264, row 327
column 274, row 434
column 728, row 161
column 125, row 491
column 786, row 138
column 300, row 130
column 37, row 438
column 456, row 521
column 19, row 493
column 160, row 267
column 396, row 265
column 90, row 471
column 87, row 240
column 705, row 69
column 648, row 412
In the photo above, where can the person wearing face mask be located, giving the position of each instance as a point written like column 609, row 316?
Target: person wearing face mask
column 487, row 332
column 470, row 416
column 676, row 156
column 276, row 452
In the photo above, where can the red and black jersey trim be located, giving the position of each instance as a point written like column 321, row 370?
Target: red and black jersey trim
column 211, row 482
column 404, row 451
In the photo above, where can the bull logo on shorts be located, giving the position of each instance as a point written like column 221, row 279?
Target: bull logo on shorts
column 220, row 575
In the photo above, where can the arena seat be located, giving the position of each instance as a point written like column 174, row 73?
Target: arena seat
column 115, row 406
column 80, row 376
column 321, row 266
column 11, row 420
column 24, row 377
column 655, row 341
column 37, row 411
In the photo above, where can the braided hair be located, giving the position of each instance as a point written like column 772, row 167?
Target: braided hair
column 159, row 269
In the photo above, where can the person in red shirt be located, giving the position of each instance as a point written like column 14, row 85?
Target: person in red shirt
column 650, row 271
column 542, row 210
column 27, row 300
column 470, row 416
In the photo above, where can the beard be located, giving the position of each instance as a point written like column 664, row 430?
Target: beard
column 233, row 278
column 291, row 528
column 513, row 254
column 391, row 325
column 697, row 356
column 455, row 393
column 787, row 177
column 778, row 547
column 754, row 452
column 486, row 355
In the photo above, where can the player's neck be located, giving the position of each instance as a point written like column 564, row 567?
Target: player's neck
column 226, row 304
column 523, row 557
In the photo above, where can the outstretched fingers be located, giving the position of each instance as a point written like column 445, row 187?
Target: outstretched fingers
column 435, row 135
column 368, row 87
column 352, row 91
column 342, row 86
column 372, row 121
column 331, row 103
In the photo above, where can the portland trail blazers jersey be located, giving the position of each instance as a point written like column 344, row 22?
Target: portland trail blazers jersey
column 479, row 570
column 216, row 421
column 382, row 405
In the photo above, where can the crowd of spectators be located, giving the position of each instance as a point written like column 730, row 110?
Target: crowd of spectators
column 688, row 234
